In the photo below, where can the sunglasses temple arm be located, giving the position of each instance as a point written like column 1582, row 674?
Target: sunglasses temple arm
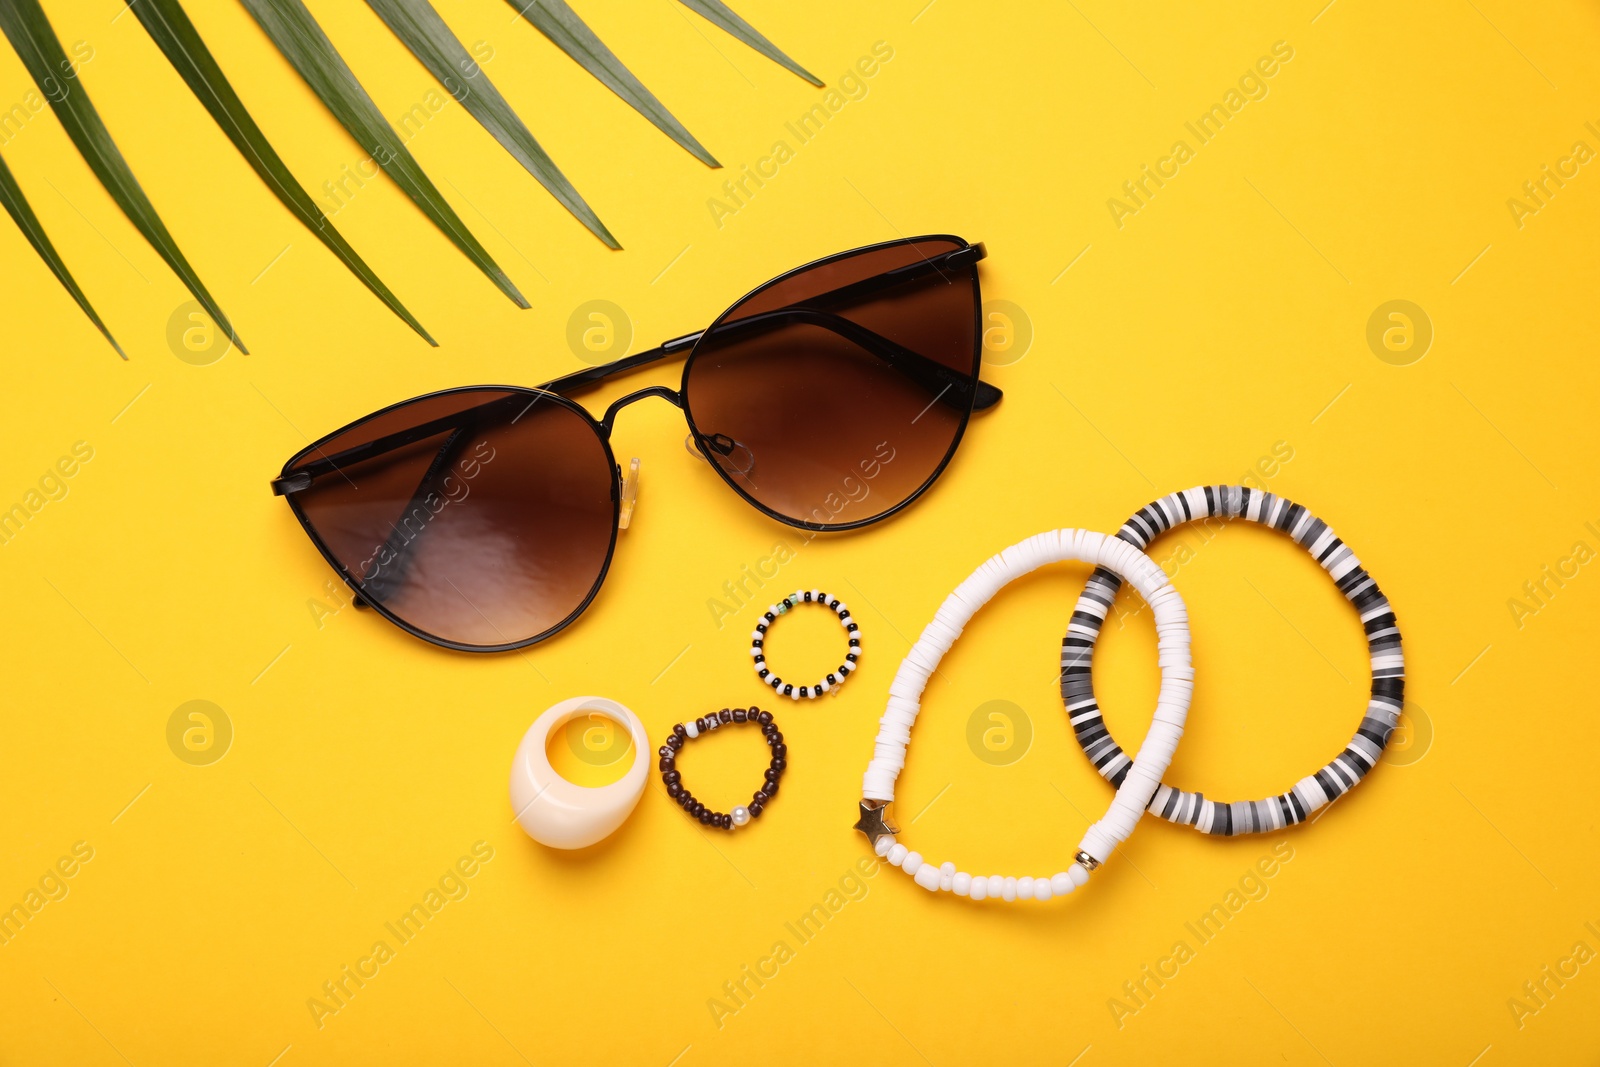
column 987, row 396
column 578, row 381
column 303, row 477
column 392, row 561
column 938, row 379
column 927, row 371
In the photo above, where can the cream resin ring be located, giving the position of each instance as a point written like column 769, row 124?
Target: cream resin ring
column 1383, row 647
column 563, row 814
column 1144, row 774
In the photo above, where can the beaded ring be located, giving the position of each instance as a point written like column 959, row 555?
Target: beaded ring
column 758, row 641
column 1383, row 646
column 905, row 694
column 682, row 733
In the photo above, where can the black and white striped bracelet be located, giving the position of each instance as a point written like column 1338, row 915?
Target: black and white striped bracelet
column 1377, row 618
column 758, row 641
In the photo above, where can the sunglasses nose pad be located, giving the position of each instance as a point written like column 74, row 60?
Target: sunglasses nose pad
column 742, row 460
column 630, row 493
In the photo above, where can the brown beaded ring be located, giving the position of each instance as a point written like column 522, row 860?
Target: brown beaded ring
column 683, row 732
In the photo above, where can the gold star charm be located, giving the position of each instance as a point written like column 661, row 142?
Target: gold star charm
column 874, row 822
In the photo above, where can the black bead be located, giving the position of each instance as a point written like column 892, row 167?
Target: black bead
column 833, row 679
column 725, row 715
column 772, row 774
column 673, row 789
column 727, row 822
column 704, row 817
column 756, row 809
column 665, row 763
column 672, row 776
column 771, row 788
column 674, row 742
column 774, row 739
column 764, row 718
column 780, row 765
column 769, row 728
column 739, row 715
column 664, row 752
column 780, row 751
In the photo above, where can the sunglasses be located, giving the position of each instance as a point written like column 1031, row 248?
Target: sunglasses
column 484, row 518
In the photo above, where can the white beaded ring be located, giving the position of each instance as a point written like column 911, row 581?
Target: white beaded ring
column 1383, row 647
column 758, row 641
column 905, row 695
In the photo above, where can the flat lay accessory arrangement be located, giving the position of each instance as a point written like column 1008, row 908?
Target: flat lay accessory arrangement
column 563, row 814
column 484, row 518
column 742, row 814
column 1144, row 774
column 1377, row 619
column 834, row 678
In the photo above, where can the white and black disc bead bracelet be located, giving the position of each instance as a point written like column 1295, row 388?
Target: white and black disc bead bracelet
column 758, row 641
column 742, row 814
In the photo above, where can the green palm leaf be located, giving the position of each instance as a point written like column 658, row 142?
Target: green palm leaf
column 721, row 15
column 28, row 223
column 302, row 42
column 419, row 26
column 561, row 24
column 30, row 33
column 169, row 26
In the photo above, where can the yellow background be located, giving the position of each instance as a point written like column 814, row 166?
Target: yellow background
column 1228, row 315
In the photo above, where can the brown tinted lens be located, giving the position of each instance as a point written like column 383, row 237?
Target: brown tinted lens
column 483, row 517
column 833, row 396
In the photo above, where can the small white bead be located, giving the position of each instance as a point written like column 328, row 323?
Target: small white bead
column 946, row 880
column 1078, row 875
column 961, row 883
column 927, row 877
column 691, row 729
column 1061, row 884
column 1042, row 889
column 912, row 864
column 741, row 815
column 1025, row 887
column 897, row 854
column 883, row 845
column 1008, row 889
column 979, row 888
column 996, row 883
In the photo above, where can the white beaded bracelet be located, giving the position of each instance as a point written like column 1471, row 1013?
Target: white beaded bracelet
column 758, row 642
column 905, row 694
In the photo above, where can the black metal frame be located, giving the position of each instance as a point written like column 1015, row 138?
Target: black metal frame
column 559, row 390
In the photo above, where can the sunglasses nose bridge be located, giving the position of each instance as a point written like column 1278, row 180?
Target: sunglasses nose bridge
column 672, row 396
